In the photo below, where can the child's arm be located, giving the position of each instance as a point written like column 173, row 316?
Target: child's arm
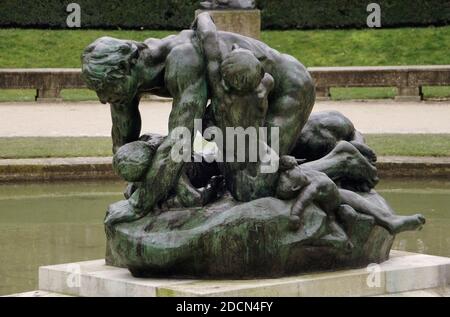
column 207, row 33
column 305, row 198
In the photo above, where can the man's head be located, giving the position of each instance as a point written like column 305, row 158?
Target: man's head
column 133, row 160
column 107, row 68
column 242, row 71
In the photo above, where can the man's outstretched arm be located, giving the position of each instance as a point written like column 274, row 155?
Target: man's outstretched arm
column 126, row 123
column 185, row 79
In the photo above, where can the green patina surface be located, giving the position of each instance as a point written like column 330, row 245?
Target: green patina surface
column 240, row 240
column 328, row 217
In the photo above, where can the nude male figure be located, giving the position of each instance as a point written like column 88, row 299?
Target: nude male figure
column 121, row 71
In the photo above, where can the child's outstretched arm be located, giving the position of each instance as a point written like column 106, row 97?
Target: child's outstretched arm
column 206, row 31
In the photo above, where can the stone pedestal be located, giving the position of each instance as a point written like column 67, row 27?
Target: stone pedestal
column 409, row 94
column 244, row 22
column 405, row 273
column 48, row 95
column 323, row 94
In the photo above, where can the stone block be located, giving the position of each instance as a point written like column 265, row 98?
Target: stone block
column 409, row 94
column 48, row 95
column 405, row 274
column 244, row 22
column 323, row 94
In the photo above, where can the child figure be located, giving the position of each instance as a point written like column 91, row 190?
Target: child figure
column 311, row 187
column 131, row 162
column 240, row 89
column 239, row 84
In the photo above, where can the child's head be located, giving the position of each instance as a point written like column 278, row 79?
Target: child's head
column 242, row 71
column 133, row 160
column 292, row 179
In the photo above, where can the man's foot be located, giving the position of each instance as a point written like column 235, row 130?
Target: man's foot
column 406, row 223
column 366, row 151
column 353, row 169
column 121, row 212
column 346, row 166
column 214, row 189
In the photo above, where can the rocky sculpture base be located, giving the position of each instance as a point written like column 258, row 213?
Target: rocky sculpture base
column 244, row 22
column 244, row 240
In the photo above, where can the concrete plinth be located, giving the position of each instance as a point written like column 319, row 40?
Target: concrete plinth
column 323, row 94
column 244, row 22
column 409, row 94
column 48, row 95
column 405, row 273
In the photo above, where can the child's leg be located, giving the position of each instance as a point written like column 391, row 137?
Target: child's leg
column 394, row 224
column 337, row 238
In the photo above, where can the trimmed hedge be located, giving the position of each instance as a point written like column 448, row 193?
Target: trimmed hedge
column 178, row 14
column 149, row 14
column 305, row 14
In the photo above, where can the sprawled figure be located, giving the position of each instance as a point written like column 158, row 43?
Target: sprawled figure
column 313, row 187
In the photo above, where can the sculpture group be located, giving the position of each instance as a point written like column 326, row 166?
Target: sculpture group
column 231, row 218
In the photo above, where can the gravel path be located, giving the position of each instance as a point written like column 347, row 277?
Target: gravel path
column 93, row 118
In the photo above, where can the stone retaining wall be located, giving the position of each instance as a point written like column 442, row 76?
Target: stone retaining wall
column 101, row 169
column 408, row 80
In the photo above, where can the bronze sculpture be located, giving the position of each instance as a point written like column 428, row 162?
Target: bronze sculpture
column 234, row 217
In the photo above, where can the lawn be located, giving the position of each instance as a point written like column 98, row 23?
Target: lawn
column 383, row 144
column 42, row 147
column 25, row 48
column 437, row 145
column 402, row 46
column 336, row 94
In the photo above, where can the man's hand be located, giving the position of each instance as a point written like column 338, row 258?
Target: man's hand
column 129, row 191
